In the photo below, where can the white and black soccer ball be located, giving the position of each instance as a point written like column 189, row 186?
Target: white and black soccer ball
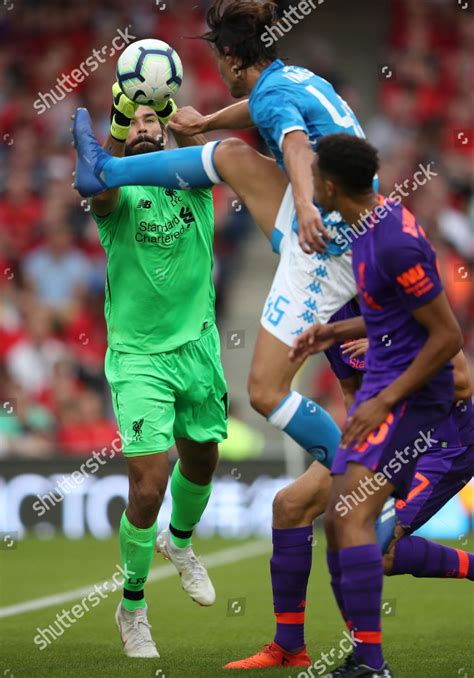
column 149, row 71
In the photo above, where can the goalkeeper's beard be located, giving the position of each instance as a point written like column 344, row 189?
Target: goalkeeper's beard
column 144, row 143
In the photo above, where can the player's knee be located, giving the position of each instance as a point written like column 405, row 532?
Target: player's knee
column 259, row 399
column 229, row 154
column 292, row 510
column 200, row 470
column 146, row 498
column 263, row 398
column 232, row 148
column 287, row 510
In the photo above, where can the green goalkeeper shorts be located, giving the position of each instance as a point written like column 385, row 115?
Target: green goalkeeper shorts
column 178, row 394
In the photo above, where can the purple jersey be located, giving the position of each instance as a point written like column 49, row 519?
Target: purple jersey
column 396, row 273
column 342, row 365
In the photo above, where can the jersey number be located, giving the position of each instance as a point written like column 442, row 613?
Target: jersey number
column 274, row 316
column 345, row 121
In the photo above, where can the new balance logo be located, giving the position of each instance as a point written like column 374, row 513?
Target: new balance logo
column 137, row 430
column 144, row 204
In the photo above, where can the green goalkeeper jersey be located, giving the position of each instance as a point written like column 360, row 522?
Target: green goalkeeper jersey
column 159, row 289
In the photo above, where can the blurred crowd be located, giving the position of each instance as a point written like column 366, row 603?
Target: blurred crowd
column 52, row 333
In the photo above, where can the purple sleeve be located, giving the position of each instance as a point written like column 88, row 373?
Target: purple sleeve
column 411, row 264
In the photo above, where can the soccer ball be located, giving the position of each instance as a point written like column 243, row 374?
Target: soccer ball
column 149, row 71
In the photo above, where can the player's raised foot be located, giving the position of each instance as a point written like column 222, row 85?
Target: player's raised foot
column 272, row 655
column 194, row 578
column 354, row 668
column 90, row 156
column 135, row 632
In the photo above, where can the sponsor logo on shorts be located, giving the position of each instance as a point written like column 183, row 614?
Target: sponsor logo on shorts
column 137, row 430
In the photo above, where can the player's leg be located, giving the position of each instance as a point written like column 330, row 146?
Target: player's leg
column 355, row 565
column 256, row 179
column 200, row 424
column 270, row 379
column 191, row 487
column 295, row 507
column 441, row 473
column 148, row 478
column 190, row 492
column 145, row 415
column 363, row 479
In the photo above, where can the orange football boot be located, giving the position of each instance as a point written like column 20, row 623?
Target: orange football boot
column 272, row 655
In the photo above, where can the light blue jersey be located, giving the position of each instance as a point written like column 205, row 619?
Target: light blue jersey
column 289, row 98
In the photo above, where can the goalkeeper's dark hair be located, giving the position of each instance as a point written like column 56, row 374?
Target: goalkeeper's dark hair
column 351, row 161
column 236, row 28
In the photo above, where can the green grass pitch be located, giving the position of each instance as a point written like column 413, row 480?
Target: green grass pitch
column 428, row 631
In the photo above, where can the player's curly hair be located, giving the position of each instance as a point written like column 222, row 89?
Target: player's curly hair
column 236, row 28
column 352, row 161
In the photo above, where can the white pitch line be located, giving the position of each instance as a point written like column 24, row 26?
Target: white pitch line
column 223, row 557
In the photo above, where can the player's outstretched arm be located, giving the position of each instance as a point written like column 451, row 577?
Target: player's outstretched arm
column 299, row 157
column 189, row 122
column 443, row 343
column 166, row 112
column 123, row 111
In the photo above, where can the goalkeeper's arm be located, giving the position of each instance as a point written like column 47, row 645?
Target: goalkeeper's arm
column 123, row 111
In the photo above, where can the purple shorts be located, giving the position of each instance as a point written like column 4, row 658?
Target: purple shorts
column 394, row 449
column 440, row 474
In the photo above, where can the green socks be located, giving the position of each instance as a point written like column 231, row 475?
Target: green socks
column 189, row 503
column 137, row 545
column 136, row 552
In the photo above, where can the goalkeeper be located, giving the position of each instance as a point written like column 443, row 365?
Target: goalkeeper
column 162, row 363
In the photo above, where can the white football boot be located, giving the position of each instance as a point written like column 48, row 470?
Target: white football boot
column 135, row 633
column 194, row 578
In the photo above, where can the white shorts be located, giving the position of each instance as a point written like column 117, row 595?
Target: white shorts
column 307, row 288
